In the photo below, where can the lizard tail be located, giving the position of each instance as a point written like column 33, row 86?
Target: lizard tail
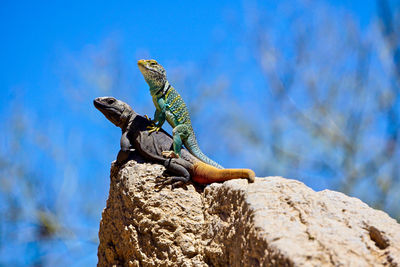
column 206, row 174
column 193, row 147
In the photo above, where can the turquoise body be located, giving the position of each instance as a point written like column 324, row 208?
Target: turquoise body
column 170, row 106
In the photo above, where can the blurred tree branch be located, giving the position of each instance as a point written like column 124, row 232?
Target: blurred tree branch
column 322, row 77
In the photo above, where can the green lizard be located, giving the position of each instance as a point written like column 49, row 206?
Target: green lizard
column 170, row 106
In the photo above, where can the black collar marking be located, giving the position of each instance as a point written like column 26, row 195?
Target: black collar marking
column 165, row 89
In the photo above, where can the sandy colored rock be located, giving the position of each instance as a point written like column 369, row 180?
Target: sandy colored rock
column 272, row 222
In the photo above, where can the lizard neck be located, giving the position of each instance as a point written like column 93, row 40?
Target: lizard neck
column 136, row 124
column 126, row 120
column 159, row 90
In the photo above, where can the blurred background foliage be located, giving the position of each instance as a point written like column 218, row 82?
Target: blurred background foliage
column 302, row 89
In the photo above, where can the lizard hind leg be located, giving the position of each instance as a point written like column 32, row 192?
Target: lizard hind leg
column 179, row 168
column 180, row 133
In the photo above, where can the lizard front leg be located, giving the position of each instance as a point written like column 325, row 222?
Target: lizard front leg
column 123, row 154
column 126, row 149
column 159, row 115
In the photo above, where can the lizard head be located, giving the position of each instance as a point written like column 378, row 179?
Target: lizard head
column 116, row 111
column 153, row 73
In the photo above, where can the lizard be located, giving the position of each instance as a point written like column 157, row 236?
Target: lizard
column 171, row 107
column 150, row 144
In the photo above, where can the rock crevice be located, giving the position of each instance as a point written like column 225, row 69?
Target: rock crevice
column 272, row 222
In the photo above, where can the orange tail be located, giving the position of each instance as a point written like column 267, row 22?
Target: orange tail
column 207, row 174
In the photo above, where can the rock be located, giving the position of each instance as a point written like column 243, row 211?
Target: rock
column 272, row 222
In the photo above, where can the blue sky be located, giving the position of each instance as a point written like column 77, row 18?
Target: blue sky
column 34, row 32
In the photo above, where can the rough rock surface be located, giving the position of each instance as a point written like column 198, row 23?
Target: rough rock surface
column 272, row 222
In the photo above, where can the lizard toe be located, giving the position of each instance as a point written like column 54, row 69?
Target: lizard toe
column 170, row 154
column 153, row 129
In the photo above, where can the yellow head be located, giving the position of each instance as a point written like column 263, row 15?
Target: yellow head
column 153, row 73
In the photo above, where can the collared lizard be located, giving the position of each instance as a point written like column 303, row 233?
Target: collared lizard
column 171, row 107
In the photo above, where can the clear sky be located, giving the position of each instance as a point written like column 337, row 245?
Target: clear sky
column 33, row 33
column 40, row 38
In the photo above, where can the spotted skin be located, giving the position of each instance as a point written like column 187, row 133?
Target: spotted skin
column 171, row 107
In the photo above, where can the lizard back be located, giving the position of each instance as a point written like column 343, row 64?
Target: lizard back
column 177, row 113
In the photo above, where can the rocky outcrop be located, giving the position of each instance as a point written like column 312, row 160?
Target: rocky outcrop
column 272, row 222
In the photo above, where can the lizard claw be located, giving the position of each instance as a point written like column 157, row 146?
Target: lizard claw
column 173, row 181
column 153, row 128
column 170, row 154
column 147, row 117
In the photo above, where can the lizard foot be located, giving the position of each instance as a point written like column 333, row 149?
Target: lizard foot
column 170, row 154
column 153, row 128
column 174, row 181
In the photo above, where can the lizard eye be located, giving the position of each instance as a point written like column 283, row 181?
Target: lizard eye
column 110, row 101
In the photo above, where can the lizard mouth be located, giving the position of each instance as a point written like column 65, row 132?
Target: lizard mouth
column 112, row 113
column 142, row 65
column 98, row 103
